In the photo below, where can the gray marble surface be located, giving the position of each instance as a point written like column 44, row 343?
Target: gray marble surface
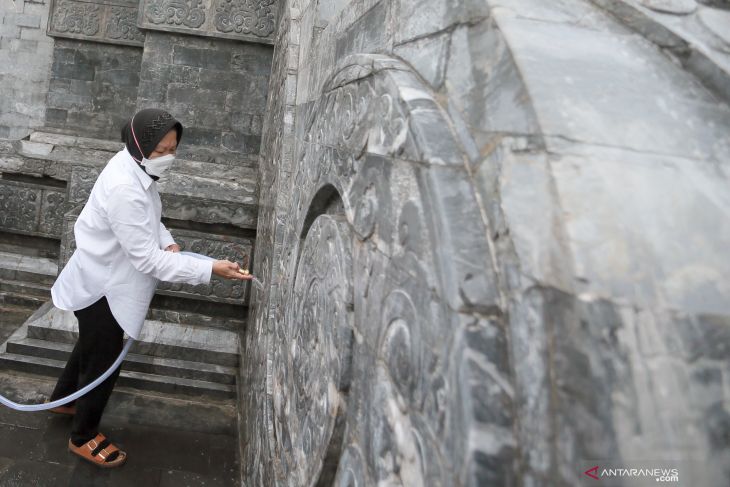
column 535, row 199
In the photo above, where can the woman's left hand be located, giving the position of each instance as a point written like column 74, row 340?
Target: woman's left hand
column 172, row 248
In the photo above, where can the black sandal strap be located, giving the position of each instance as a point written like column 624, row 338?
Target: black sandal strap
column 100, row 447
column 108, row 457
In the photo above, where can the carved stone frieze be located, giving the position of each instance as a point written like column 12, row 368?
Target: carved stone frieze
column 31, row 209
column 122, row 24
column 250, row 20
column 234, row 249
column 176, row 13
column 110, row 21
column 248, row 17
column 76, row 18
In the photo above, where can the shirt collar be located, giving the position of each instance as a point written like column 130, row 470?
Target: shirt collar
column 144, row 178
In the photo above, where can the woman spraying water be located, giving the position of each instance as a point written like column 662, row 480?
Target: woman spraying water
column 123, row 251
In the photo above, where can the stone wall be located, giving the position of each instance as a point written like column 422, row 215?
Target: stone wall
column 216, row 88
column 25, row 56
column 493, row 241
column 93, row 88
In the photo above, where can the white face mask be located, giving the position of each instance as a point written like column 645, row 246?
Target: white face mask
column 159, row 165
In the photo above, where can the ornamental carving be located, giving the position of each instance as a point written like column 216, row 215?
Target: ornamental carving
column 228, row 248
column 31, row 209
column 313, row 349
column 122, row 24
column 53, row 205
column 76, row 18
column 109, row 21
column 19, row 207
column 245, row 17
column 188, row 13
column 249, row 20
column 373, row 184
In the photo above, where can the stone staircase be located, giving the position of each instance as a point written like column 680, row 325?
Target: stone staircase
column 188, row 354
column 202, row 364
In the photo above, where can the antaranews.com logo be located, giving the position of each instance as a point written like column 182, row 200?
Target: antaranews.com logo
column 658, row 474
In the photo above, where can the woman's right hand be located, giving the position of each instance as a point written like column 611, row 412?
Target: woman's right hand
column 229, row 270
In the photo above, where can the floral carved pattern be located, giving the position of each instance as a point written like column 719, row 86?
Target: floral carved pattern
column 76, row 18
column 122, row 24
column 254, row 17
column 190, row 13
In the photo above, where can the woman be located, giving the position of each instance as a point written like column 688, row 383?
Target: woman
column 122, row 251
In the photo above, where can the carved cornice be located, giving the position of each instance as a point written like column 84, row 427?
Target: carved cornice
column 107, row 21
column 249, row 20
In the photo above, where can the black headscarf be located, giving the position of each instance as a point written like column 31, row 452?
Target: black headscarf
column 150, row 126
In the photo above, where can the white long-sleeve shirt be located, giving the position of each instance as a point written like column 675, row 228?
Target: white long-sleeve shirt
column 119, row 248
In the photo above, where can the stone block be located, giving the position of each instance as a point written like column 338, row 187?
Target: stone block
column 245, row 144
column 23, row 45
column 28, row 20
column 118, row 77
column 80, row 71
column 33, row 34
column 254, row 60
column 152, row 91
column 182, row 94
column 428, row 56
column 202, row 58
column 371, row 33
column 34, row 149
column 204, row 137
column 9, row 31
column 56, row 116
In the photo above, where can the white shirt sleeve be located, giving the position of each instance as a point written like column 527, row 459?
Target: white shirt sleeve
column 130, row 221
column 165, row 237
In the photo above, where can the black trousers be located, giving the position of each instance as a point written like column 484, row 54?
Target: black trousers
column 99, row 344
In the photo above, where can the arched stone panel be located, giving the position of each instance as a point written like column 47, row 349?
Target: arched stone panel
column 375, row 292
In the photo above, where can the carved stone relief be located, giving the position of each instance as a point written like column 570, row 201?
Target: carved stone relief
column 122, row 25
column 311, row 376
column 176, row 13
column 110, row 21
column 245, row 17
column 366, row 161
column 31, row 209
column 219, row 247
column 250, row 20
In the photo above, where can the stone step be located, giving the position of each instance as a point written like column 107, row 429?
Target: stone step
column 25, row 295
column 14, row 266
column 38, row 291
column 197, row 312
column 134, row 362
column 158, row 339
column 179, row 412
column 192, row 318
column 25, row 280
column 127, row 378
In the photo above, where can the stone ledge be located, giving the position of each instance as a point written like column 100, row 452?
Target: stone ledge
column 158, row 339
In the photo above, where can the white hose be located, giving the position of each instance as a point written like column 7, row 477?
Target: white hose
column 60, row 402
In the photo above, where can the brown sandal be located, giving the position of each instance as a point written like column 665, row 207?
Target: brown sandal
column 97, row 451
